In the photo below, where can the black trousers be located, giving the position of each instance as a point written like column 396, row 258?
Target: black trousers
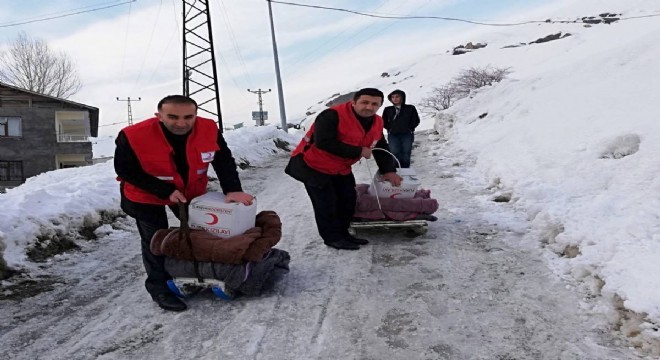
column 156, row 282
column 157, row 277
column 334, row 206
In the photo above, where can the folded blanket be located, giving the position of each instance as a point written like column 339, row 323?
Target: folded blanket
column 393, row 208
column 249, row 246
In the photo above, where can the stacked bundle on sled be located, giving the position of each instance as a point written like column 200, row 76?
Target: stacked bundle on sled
column 227, row 249
column 382, row 205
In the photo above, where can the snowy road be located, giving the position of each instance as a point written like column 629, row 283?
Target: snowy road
column 462, row 291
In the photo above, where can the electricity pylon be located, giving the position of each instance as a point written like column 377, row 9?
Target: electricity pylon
column 200, row 77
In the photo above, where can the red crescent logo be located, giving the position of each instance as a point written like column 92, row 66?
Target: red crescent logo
column 214, row 219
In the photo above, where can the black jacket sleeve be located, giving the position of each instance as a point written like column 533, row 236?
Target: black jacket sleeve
column 387, row 117
column 225, row 167
column 384, row 160
column 128, row 168
column 415, row 117
column 325, row 136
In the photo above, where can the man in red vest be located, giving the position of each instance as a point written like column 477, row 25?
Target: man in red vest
column 163, row 161
column 340, row 137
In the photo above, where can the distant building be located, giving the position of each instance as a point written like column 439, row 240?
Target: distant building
column 39, row 133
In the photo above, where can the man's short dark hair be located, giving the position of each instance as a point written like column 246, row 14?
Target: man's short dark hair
column 176, row 99
column 369, row 92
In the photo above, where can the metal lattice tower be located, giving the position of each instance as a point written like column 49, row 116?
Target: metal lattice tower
column 130, row 112
column 200, row 77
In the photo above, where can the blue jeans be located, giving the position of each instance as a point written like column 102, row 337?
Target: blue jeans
column 401, row 147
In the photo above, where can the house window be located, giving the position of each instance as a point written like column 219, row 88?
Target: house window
column 11, row 170
column 10, row 126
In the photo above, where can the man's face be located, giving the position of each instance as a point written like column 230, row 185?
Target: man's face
column 396, row 99
column 177, row 118
column 366, row 105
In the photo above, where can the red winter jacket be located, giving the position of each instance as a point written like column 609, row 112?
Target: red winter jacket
column 349, row 131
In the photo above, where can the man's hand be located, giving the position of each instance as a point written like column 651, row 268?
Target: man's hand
column 366, row 153
column 177, row 197
column 393, row 178
column 238, row 196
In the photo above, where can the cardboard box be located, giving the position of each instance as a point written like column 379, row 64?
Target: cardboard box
column 407, row 190
column 211, row 213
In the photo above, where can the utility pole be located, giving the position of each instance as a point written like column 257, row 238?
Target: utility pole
column 277, row 70
column 261, row 103
column 130, row 113
column 200, row 77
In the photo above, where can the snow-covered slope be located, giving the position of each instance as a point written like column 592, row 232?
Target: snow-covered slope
column 572, row 136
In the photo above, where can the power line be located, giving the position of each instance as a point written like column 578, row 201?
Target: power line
column 151, row 36
column 99, row 139
column 176, row 20
column 66, row 15
column 61, row 12
column 128, row 23
column 167, row 46
column 335, row 36
column 355, row 34
column 116, row 123
column 232, row 37
column 162, row 56
column 404, row 17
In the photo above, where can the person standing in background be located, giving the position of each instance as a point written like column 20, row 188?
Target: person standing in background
column 400, row 121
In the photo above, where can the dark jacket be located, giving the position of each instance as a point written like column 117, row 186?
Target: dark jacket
column 325, row 137
column 128, row 168
column 405, row 122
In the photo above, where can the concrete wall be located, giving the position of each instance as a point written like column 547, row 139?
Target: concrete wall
column 38, row 146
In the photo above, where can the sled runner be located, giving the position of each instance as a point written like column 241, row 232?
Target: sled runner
column 183, row 287
column 245, row 264
column 412, row 227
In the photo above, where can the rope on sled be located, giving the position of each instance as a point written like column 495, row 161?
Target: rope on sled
column 373, row 181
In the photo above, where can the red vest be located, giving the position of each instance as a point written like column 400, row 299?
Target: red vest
column 156, row 158
column 349, row 131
